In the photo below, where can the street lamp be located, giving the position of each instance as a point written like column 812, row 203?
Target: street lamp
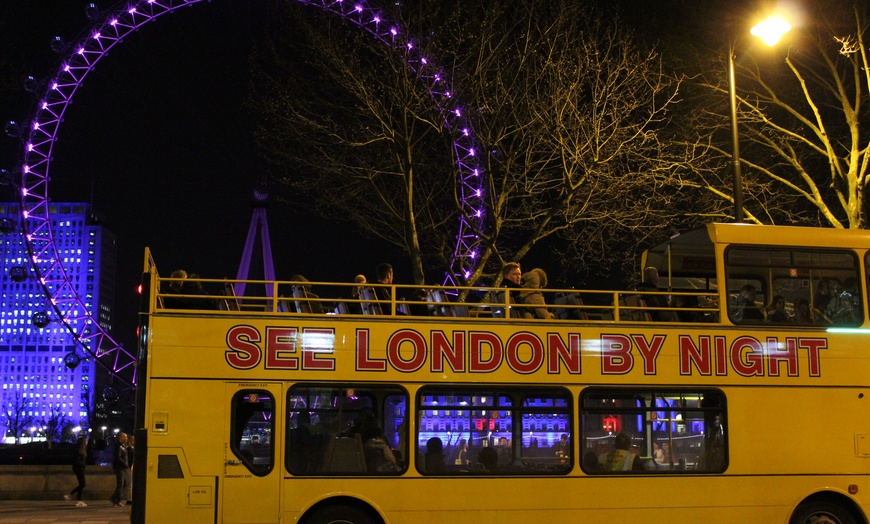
column 769, row 31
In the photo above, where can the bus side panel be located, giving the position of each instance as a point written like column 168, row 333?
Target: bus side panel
column 642, row 499
column 797, row 431
column 173, row 493
column 185, row 450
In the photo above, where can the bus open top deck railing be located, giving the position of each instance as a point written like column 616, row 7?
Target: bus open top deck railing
column 702, row 275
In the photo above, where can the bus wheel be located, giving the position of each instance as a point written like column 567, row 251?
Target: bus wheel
column 821, row 513
column 340, row 514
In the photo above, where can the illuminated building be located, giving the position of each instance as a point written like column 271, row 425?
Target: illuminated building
column 44, row 373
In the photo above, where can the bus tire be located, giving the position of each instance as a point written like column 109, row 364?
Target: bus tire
column 821, row 512
column 340, row 514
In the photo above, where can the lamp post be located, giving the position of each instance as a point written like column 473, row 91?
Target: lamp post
column 769, row 31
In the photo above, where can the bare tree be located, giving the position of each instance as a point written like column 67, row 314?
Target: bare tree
column 804, row 128
column 52, row 427
column 86, row 404
column 354, row 134
column 572, row 115
column 15, row 415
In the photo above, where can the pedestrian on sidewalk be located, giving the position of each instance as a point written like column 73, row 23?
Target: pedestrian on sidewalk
column 80, row 460
column 128, row 475
column 121, row 467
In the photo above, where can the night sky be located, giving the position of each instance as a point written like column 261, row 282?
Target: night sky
column 159, row 141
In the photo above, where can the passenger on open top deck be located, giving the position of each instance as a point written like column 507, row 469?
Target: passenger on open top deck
column 533, row 281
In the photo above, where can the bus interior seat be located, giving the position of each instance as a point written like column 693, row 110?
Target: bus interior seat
column 282, row 304
column 369, row 306
column 437, row 301
column 344, row 455
column 572, row 311
column 495, row 300
column 229, row 302
column 635, row 308
column 460, row 310
column 302, row 305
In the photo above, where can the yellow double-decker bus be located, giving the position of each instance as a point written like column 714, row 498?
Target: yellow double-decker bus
column 737, row 390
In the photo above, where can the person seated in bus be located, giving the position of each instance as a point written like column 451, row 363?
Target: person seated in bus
column 434, row 461
column 562, row 448
column 362, row 423
column 487, row 460
column 503, row 451
column 746, row 310
column 621, row 457
column 658, row 453
column 840, row 308
column 511, row 280
column 417, row 305
column 776, row 313
column 176, row 287
column 192, row 285
column 304, row 446
column 461, row 458
column 353, row 305
column 301, row 289
column 590, row 461
column 383, row 293
column 379, row 456
column 654, row 301
column 802, row 314
column 531, row 295
column 851, row 285
column 689, row 302
column 821, row 299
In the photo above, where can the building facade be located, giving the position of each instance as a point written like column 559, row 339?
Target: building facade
column 42, row 395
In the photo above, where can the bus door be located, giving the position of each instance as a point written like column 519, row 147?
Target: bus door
column 252, row 457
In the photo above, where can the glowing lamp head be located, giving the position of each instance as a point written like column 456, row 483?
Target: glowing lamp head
column 771, row 30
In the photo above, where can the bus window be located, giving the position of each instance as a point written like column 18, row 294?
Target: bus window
column 654, row 431
column 251, row 430
column 346, row 430
column 825, row 279
column 524, row 431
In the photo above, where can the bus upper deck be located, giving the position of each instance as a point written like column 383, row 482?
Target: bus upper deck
column 817, row 274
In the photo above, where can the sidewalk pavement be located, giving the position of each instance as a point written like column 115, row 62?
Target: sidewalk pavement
column 52, row 512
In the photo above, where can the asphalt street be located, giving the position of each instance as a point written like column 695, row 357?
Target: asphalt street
column 50, row 511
